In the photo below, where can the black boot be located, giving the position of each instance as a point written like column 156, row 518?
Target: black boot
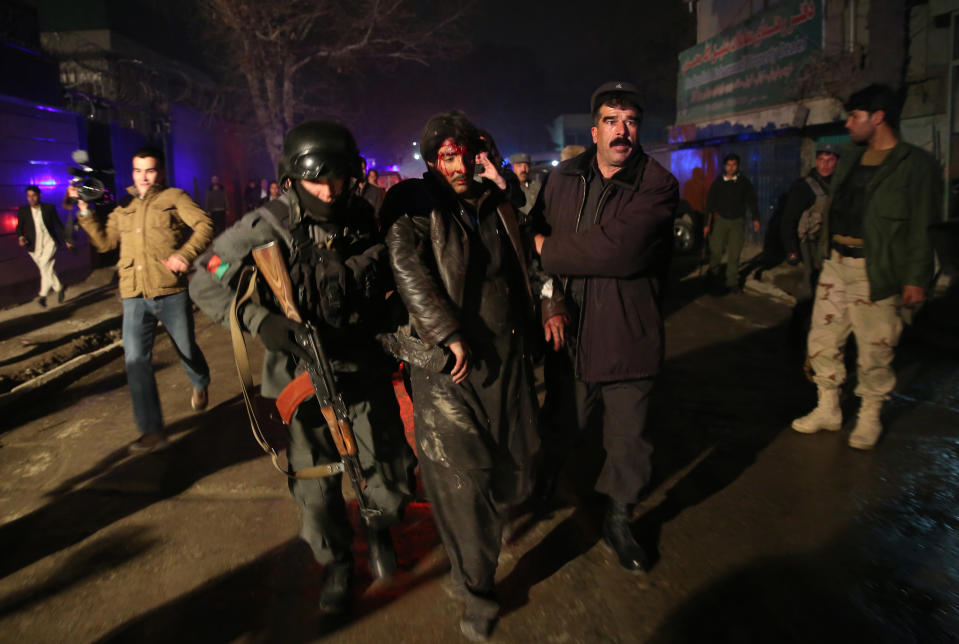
column 619, row 537
column 382, row 553
column 335, row 596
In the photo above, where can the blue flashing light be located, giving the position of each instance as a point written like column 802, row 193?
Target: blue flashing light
column 40, row 162
column 44, row 179
column 554, row 163
column 394, row 168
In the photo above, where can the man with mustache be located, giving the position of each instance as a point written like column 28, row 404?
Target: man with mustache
column 608, row 213
column 531, row 187
column 460, row 268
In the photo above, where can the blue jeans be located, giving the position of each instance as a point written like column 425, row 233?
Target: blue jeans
column 140, row 317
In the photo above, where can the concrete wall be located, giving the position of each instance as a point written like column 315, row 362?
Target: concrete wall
column 924, row 121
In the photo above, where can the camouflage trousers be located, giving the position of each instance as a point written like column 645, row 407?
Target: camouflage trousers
column 842, row 306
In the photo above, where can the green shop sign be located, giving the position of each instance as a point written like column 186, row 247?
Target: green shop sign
column 752, row 65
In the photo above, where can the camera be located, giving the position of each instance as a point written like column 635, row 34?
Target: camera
column 86, row 179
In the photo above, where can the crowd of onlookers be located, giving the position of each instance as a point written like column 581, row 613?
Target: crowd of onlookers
column 255, row 194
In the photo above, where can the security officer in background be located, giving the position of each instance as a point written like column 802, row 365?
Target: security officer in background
column 337, row 266
column 731, row 199
column 530, row 185
column 806, row 203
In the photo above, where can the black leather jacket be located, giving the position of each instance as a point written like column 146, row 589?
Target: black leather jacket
column 429, row 252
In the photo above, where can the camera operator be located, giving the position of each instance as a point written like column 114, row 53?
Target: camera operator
column 160, row 231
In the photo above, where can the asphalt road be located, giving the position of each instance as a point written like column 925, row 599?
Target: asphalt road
column 758, row 534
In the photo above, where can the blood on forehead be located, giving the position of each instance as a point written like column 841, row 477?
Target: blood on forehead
column 450, row 148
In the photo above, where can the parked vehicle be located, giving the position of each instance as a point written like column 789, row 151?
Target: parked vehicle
column 687, row 228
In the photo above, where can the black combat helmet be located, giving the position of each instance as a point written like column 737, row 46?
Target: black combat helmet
column 318, row 149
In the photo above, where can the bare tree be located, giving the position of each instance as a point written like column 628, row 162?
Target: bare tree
column 292, row 57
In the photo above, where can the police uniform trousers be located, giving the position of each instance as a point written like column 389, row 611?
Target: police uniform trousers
column 842, row 306
column 569, row 405
column 726, row 239
column 385, row 458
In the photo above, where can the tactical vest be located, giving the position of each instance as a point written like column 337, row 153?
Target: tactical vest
column 810, row 222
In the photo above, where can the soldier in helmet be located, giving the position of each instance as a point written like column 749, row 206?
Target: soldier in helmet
column 337, row 264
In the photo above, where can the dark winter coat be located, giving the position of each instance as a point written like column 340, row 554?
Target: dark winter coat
column 51, row 219
column 623, row 256
column 373, row 195
column 216, row 199
column 429, row 240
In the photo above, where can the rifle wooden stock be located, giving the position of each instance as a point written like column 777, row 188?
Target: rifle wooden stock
column 270, row 261
column 272, row 266
column 341, row 431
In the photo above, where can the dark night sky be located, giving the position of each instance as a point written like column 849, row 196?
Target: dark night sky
column 527, row 63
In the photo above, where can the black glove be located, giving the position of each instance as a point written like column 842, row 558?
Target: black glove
column 276, row 334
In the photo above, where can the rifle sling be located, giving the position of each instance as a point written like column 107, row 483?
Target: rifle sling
column 246, row 286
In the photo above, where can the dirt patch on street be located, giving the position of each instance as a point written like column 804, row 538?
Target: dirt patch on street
column 39, row 358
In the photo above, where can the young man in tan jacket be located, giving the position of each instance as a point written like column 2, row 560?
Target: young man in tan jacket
column 160, row 231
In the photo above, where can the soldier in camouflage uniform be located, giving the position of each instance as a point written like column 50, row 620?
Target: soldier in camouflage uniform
column 885, row 195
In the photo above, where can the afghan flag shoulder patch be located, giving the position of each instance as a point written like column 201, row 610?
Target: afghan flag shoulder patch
column 217, row 266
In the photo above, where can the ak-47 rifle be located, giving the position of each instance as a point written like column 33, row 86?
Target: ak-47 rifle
column 318, row 380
